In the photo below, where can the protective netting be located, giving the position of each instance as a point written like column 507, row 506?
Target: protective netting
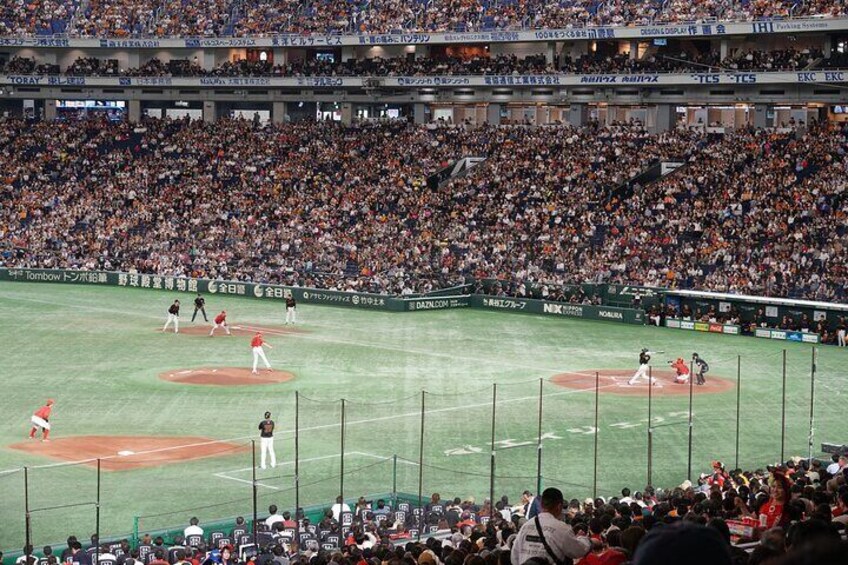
column 226, row 489
column 320, row 447
column 831, row 376
column 457, row 444
column 51, row 502
column 12, row 534
column 382, row 444
column 472, row 442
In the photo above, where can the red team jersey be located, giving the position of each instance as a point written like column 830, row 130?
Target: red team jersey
column 256, row 341
column 219, row 319
column 44, row 412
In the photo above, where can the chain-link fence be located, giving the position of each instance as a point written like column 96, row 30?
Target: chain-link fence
column 488, row 442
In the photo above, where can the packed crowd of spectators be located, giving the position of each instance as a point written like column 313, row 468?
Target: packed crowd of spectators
column 320, row 204
column 750, row 60
column 790, row 514
column 285, row 203
column 251, row 17
column 755, row 213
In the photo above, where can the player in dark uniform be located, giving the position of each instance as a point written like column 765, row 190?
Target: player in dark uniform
column 701, row 368
column 199, row 304
column 173, row 317
column 644, row 365
column 266, row 439
column 291, row 309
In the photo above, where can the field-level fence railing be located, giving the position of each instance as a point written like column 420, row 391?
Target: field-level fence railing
column 485, row 442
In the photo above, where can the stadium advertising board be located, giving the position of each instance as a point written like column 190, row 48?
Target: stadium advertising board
column 321, row 296
column 436, row 303
column 703, row 29
column 762, row 310
column 584, row 311
column 320, row 82
column 711, row 327
column 786, row 335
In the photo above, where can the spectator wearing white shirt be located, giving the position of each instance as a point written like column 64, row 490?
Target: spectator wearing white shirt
column 193, row 529
column 338, row 508
column 838, row 463
column 273, row 518
column 547, row 537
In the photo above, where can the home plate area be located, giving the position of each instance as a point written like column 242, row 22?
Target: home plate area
column 615, row 381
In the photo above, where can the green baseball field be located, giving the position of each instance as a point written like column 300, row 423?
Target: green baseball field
column 169, row 419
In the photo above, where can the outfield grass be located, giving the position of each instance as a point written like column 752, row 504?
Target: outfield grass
column 96, row 352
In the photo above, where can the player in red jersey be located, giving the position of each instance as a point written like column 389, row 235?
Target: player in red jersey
column 681, row 369
column 257, row 343
column 221, row 322
column 41, row 420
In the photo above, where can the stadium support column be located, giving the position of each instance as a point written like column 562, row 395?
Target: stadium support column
column 551, row 52
column 666, row 118
column 49, row 110
column 634, row 49
column 761, row 115
column 210, row 111
column 724, row 49
column 278, row 112
column 134, row 60
column 280, row 56
column 347, row 113
column 493, row 114
column 578, row 115
column 134, row 111
column 419, row 113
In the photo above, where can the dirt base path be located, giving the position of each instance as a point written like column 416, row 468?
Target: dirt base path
column 236, row 329
column 124, row 453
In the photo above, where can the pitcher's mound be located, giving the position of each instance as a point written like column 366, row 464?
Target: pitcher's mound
column 225, row 376
column 614, row 381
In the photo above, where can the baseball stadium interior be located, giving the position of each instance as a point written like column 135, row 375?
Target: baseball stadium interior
column 423, row 282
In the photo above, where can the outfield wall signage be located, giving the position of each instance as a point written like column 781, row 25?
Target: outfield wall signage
column 360, row 300
column 436, row 303
column 786, row 335
column 711, row 327
column 565, row 309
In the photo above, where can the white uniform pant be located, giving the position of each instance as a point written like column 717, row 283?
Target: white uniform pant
column 840, row 338
column 291, row 315
column 258, row 353
column 221, row 325
column 39, row 422
column 175, row 319
column 267, row 446
column 640, row 374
